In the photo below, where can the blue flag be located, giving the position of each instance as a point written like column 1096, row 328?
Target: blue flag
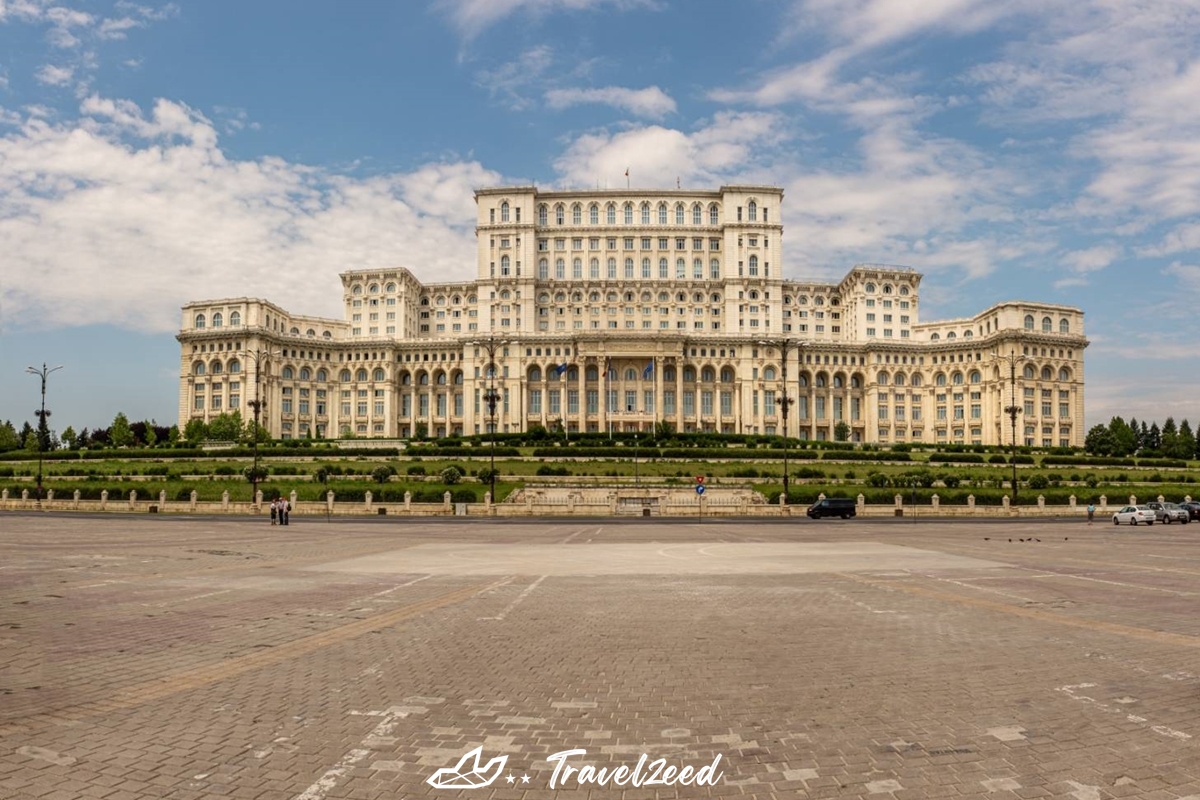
column 648, row 371
column 561, row 369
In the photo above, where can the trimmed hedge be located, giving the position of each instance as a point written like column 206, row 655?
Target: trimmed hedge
column 870, row 455
column 956, row 458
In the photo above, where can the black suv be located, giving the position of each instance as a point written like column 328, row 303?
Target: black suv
column 843, row 507
column 1193, row 509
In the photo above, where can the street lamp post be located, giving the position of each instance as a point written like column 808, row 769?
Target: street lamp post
column 256, row 405
column 785, row 402
column 42, row 373
column 491, row 397
column 1012, row 409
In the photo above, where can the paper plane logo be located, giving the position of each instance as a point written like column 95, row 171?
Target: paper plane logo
column 467, row 774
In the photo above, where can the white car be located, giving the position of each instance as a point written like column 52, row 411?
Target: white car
column 1134, row 515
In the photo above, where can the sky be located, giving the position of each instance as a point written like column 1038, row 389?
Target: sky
column 155, row 153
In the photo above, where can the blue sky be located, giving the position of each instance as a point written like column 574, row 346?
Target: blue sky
column 155, row 153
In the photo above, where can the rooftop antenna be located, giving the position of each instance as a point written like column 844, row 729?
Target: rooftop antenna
column 676, row 181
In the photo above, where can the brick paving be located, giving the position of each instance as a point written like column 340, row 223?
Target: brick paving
column 194, row 658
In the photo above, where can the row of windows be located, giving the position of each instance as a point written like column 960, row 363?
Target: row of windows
column 628, row 213
column 235, row 319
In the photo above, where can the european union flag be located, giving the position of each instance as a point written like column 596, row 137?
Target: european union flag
column 648, row 371
column 561, row 368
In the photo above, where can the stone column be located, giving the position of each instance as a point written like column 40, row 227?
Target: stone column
column 1041, row 501
column 293, row 497
column 1133, row 499
column 132, row 498
column 602, row 408
column 104, row 499
column 258, row 498
column 192, row 500
column 75, row 500
column 1005, row 502
column 971, row 502
column 49, row 495
column 1103, row 502
column 225, row 500
column 368, row 499
column 860, row 503
column 4, row 495
column 679, row 394
column 446, row 501
column 408, row 501
column 1161, row 499
column 329, row 502
column 936, row 502
column 1071, row 502
column 24, row 495
column 899, row 501
column 162, row 500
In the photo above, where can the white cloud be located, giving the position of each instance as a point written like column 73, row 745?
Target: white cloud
column 510, row 81
column 140, row 212
column 1088, row 260
column 53, row 75
column 1188, row 274
column 651, row 102
column 472, row 17
column 116, row 28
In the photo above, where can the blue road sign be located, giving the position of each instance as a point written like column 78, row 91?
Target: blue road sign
column 700, row 488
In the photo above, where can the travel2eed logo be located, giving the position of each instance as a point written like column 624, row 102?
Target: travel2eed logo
column 468, row 774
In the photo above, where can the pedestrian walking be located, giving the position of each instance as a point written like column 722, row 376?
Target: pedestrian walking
column 1091, row 512
column 274, row 511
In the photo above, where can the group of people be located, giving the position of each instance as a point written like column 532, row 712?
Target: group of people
column 281, row 509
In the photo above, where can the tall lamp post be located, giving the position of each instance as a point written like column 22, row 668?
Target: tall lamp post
column 785, row 402
column 637, row 479
column 42, row 373
column 1012, row 409
column 256, row 405
column 491, row 397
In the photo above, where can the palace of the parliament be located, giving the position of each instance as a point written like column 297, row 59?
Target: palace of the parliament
column 614, row 310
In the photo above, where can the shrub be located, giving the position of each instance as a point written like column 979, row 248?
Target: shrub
column 451, row 476
column 877, row 480
column 415, row 469
column 809, row 473
column 997, row 459
column 383, row 473
column 1038, row 482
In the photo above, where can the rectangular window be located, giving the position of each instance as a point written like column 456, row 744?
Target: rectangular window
column 555, row 401
column 572, row 401
column 769, row 403
column 287, row 404
column 669, row 402
column 362, row 409
column 535, row 401
column 1064, row 409
column 689, row 402
column 593, row 401
column 379, row 408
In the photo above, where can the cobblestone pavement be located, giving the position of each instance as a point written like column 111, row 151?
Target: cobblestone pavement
column 207, row 658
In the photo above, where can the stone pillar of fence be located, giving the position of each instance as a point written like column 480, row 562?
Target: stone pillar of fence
column 1187, row 498
column 899, row 501
column 570, row 502
column 329, row 501
column 103, row 499
column 1006, row 502
column 4, row 495
column 1071, row 502
column 1103, row 502
column 1161, row 499
column 487, row 502
column 258, row 498
column 861, row 503
column 446, row 501
column 293, row 497
column 936, row 502
column 1041, row 501
column 49, row 495
column 367, row 499
column 75, row 499
column 24, row 495
column 783, row 499
column 612, row 503
column 528, row 502
column 225, row 500
column 821, row 496
column 971, row 502
column 408, row 501
column 192, row 498
column 132, row 498
column 1133, row 499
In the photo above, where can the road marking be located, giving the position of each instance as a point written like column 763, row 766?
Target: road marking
column 859, row 603
column 985, row 589
column 1101, row 626
column 1126, row 585
column 386, row 592
column 573, row 535
column 160, row 688
column 528, row 591
column 188, row 599
column 1161, row 730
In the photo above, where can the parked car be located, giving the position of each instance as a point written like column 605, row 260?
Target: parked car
column 1193, row 509
column 843, row 507
column 1166, row 513
column 1134, row 515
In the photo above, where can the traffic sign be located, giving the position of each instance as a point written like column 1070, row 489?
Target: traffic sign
column 699, row 488
column 700, row 479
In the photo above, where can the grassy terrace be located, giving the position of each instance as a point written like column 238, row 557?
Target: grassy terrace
column 418, row 469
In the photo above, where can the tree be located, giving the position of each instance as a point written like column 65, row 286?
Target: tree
column 383, row 473
column 226, row 427
column 663, row 430
column 1124, row 439
column 841, row 431
column 1154, row 441
column 43, row 432
column 120, row 432
column 195, row 432
column 1169, row 435
column 1185, row 442
column 151, row 438
column 173, row 435
column 26, row 433
column 9, row 439
column 1138, row 439
column 1099, row 441
column 422, row 431
column 69, row 437
column 1143, row 441
column 251, row 429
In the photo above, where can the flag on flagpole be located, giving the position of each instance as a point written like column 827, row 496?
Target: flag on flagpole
column 561, row 368
column 648, row 371
column 627, row 172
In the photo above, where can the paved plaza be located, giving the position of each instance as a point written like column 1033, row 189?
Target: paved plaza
column 145, row 657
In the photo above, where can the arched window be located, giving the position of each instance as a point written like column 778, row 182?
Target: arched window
column 559, row 214
column 611, row 268
column 629, row 213
column 882, row 380
column 822, row 379
column 198, row 368
column 708, row 375
column 951, row 335
column 505, row 265
column 870, row 288
column 839, row 381
column 305, row 374
column 199, row 320
column 390, row 288
column 361, row 375
column 975, row 376
column 714, row 214
column 577, row 214
column 216, row 367
column 899, row 379
column 697, row 215
column 957, row 378
column 543, row 269
column 1029, row 322
column 916, row 380
column 440, row 379
column 645, row 213
column 940, row 379
column 543, row 214
column 1064, row 374
column 326, row 335
column 374, row 288
column 752, row 211
column 592, row 374
column 235, row 366
column 726, row 374
column 668, row 374
column 769, row 374
column 577, row 268
column 968, row 334
column 217, row 319
column 679, row 213
column 356, row 290
column 504, row 211
column 344, row 376
column 560, row 269
column 310, row 332
column 405, row 379
column 288, row 374
column 573, row 374
column 235, row 319
column 802, row 381
column 535, row 374
column 1047, row 374
column 681, row 268
column 322, row 375
column 753, row 265
column 662, row 213
column 1064, row 326
column 887, row 288
column 904, row 291
column 423, row 378
column 458, row 379
column 379, row 374
column 1029, row 372
column 1047, row 325
column 689, row 375
column 610, row 213
column 855, row 381
column 594, row 268
column 630, row 374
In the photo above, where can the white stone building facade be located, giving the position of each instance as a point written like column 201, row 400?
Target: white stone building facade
column 614, row 310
